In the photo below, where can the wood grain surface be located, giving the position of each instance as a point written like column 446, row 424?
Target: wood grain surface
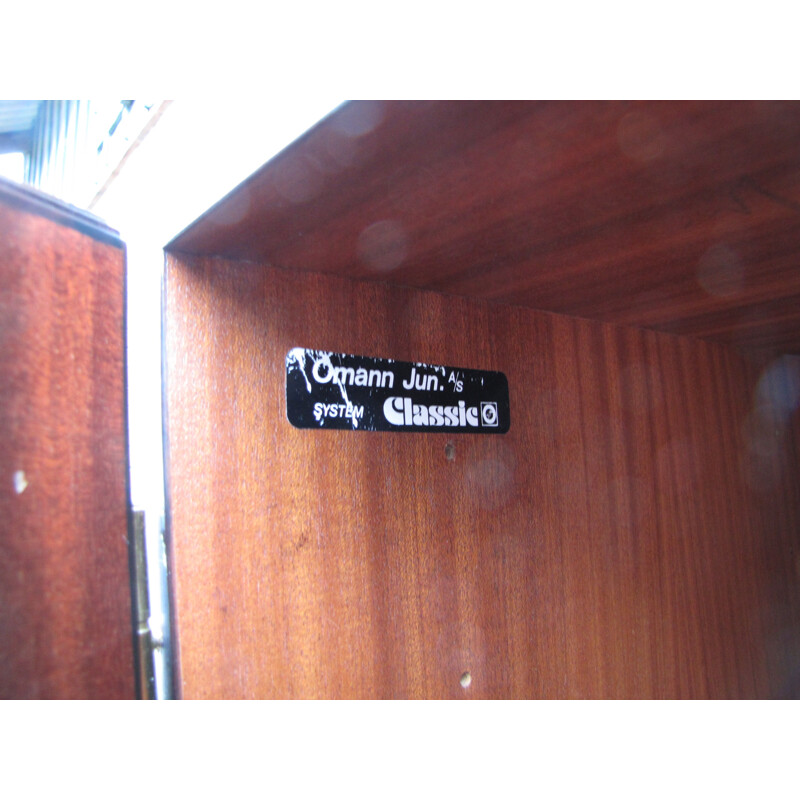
column 65, row 602
column 676, row 216
column 634, row 535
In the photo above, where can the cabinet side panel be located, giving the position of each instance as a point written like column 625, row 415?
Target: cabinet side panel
column 634, row 534
column 65, row 602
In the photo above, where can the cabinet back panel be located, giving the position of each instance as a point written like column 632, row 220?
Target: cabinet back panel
column 634, row 534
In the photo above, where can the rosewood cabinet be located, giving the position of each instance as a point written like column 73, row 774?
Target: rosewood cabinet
column 626, row 526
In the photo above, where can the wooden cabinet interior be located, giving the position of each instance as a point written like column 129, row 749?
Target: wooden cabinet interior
column 634, row 534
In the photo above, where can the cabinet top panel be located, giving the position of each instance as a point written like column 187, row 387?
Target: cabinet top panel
column 676, row 216
column 27, row 198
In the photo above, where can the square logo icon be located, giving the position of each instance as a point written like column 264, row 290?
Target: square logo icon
column 489, row 415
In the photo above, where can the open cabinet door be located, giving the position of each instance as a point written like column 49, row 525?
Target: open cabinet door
column 65, row 590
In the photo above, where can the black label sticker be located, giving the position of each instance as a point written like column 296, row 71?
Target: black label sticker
column 342, row 392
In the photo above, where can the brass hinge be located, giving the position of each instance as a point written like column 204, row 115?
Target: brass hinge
column 145, row 643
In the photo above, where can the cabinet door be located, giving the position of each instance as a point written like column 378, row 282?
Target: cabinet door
column 65, row 590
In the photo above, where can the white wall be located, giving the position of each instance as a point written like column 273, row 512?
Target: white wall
column 196, row 153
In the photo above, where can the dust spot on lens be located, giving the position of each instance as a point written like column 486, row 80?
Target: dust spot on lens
column 298, row 181
column 383, row 246
column 778, row 389
column 359, row 118
column 490, row 481
column 721, row 272
column 766, row 432
column 641, row 137
column 233, row 210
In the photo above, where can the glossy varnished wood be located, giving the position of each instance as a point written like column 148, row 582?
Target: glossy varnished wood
column 65, row 602
column 681, row 217
column 635, row 534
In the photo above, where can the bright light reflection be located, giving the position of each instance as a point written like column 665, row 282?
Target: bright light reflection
column 12, row 166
